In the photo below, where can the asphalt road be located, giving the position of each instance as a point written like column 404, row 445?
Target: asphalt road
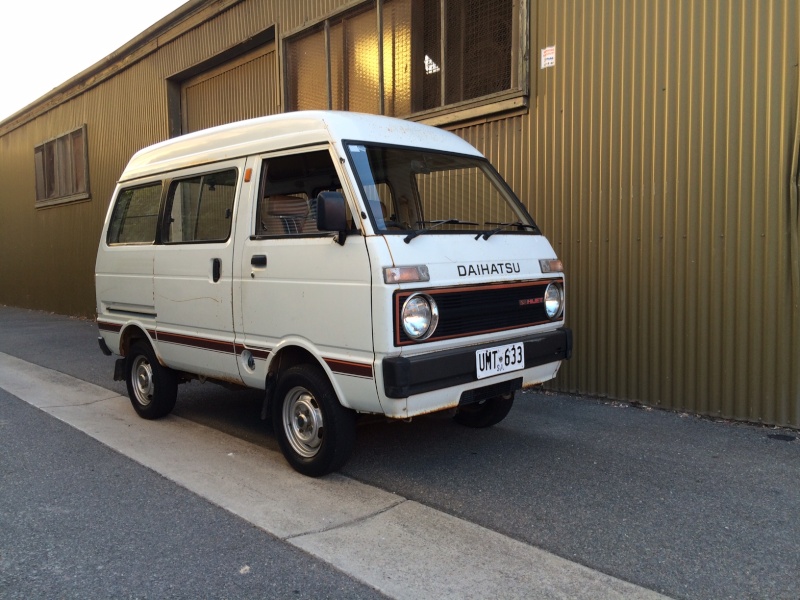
column 684, row 506
column 78, row 520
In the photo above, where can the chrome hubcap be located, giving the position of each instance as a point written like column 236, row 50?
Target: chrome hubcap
column 302, row 422
column 142, row 380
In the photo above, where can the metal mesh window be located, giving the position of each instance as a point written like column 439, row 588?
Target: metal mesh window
column 477, row 48
column 363, row 66
column 398, row 57
column 430, row 92
column 306, row 62
column 338, row 71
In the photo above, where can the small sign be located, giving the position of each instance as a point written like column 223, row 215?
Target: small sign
column 548, row 57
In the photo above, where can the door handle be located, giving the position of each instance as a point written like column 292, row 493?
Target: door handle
column 259, row 260
column 216, row 269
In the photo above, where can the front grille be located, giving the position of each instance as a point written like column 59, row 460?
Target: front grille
column 473, row 310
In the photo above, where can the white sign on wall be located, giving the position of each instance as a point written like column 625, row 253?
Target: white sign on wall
column 548, row 57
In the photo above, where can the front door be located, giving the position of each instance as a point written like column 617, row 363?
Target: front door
column 299, row 287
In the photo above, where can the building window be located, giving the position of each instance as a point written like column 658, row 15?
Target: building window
column 62, row 169
column 419, row 55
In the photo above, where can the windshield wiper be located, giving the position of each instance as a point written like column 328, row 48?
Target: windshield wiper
column 500, row 226
column 434, row 225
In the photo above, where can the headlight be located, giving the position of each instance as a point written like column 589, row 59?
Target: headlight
column 554, row 300
column 420, row 316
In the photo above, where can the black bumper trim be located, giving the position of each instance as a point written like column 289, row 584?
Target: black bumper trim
column 406, row 376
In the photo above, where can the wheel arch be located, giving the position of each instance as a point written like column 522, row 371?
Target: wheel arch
column 304, row 407
column 132, row 333
column 292, row 354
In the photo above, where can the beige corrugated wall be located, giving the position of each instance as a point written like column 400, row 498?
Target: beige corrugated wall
column 47, row 255
column 246, row 90
column 660, row 155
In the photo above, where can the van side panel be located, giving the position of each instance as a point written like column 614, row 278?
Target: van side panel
column 194, row 322
column 124, row 281
column 316, row 294
column 193, row 271
column 124, row 265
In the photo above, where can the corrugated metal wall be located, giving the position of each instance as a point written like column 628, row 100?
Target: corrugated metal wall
column 233, row 93
column 660, row 155
column 47, row 254
column 661, row 160
column 47, row 258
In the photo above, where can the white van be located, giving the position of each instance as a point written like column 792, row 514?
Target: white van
column 344, row 263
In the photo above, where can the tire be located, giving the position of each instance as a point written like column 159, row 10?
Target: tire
column 152, row 387
column 485, row 413
column 315, row 432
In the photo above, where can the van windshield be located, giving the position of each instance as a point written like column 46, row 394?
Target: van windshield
column 412, row 191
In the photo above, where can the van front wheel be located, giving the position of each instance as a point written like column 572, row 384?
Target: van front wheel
column 152, row 387
column 485, row 413
column 315, row 432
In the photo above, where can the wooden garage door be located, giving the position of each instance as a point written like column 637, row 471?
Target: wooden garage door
column 240, row 89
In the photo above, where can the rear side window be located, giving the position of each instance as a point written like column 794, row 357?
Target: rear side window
column 135, row 216
column 200, row 208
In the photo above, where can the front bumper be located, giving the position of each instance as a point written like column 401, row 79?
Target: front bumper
column 405, row 376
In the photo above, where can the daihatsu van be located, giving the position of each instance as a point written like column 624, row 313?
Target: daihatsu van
column 346, row 264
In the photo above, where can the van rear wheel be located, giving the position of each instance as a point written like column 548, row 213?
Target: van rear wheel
column 315, row 432
column 485, row 413
column 152, row 387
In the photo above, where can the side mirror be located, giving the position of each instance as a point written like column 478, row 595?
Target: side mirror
column 331, row 214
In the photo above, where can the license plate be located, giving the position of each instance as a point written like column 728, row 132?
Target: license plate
column 500, row 359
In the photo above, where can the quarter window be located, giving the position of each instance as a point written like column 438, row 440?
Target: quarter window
column 135, row 216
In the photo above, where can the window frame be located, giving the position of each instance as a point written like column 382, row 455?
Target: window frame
column 515, row 98
column 257, row 232
column 63, row 151
column 132, row 188
column 168, row 199
column 489, row 171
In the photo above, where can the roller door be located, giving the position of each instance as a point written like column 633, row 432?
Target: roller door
column 240, row 89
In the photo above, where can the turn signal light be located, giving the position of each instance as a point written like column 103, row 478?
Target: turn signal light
column 551, row 265
column 406, row 274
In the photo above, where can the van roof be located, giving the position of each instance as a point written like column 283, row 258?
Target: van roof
column 283, row 131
